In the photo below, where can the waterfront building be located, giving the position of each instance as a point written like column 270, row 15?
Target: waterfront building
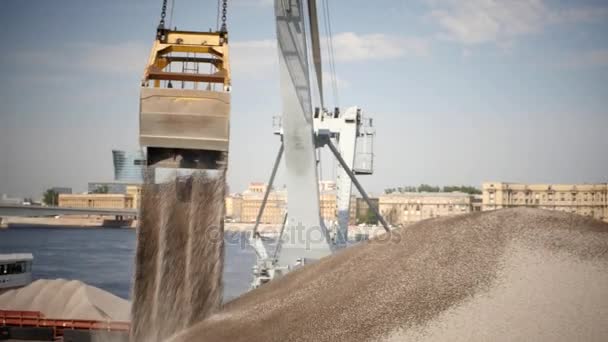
column 129, row 166
column 106, row 201
column 234, row 203
column 135, row 192
column 4, row 199
column 245, row 207
column 477, row 202
column 112, row 187
column 275, row 209
column 257, row 187
column 327, row 185
column 401, row 209
column 583, row 199
column 327, row 205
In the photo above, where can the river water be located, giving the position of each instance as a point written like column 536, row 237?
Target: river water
column 104, row 257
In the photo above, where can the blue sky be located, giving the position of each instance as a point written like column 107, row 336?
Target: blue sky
column 461, row 91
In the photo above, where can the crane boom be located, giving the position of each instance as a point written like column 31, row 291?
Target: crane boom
column 305, row 235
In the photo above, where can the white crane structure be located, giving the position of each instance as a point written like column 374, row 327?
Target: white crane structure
column 304, row 236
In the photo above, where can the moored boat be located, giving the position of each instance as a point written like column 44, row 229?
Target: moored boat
column 15, row 270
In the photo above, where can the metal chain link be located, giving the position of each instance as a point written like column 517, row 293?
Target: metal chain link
column 163, row 14
column 224, row 10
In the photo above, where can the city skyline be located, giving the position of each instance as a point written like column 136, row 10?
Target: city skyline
column 464, row 91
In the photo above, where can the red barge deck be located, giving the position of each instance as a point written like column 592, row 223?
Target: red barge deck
column 32, row 325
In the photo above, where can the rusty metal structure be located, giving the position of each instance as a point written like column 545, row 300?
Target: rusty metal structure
column 33, row 324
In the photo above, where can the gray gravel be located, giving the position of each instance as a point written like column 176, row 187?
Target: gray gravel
column 475, row 277
column 66, row 299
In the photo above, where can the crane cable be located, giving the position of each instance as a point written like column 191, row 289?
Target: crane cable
column 171, row 13
column 217, row 16
column 330, row 51
column 224, row 11
column 163, row 14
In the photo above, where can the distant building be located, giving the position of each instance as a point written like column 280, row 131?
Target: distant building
column 583, row 199
column 112, row 201
column 135, row 192
column 328, row 205
column 129, row 166
column 410, row 207
column 234, row 203
column 327, row 185
column 257, row 187
column 4, row 199
column 245, row 208
column 477, row 202
column 112, row 187
column 275, row 209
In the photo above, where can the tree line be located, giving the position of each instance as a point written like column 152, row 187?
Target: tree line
column 429, row 188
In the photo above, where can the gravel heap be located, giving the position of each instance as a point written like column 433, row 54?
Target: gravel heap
column 63, row 299
column 179, row 259
column 515, row 274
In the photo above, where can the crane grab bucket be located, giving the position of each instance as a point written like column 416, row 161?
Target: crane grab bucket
column 185, row 101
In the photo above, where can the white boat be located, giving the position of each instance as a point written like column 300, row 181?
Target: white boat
column 15, row 270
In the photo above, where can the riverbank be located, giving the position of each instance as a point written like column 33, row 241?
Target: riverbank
column 110, row 222
column 67, row 221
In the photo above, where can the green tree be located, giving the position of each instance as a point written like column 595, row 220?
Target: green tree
column 428, row 188
column 371, row 218
column 101, row 189
column 51, row 197
column 463, row 188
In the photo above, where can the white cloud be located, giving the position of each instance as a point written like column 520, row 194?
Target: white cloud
column 99, row 58
column 586, row 59
column 579, row 15
column 481, row 21
column 114, row 58
column 253, row 58
column 351, row 47
column 596, row 58
column 473, row 22
column 340, row 82
column 262, row 3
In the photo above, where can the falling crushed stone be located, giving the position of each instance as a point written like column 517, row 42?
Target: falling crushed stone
column 180, row 253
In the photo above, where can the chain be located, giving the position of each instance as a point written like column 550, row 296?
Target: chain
column 224, row 10
column 163, row 14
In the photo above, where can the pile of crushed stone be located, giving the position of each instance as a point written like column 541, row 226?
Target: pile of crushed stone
column 63, row 299
column 515, row 274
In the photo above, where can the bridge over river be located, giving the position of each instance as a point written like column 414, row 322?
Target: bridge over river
column 50, row 211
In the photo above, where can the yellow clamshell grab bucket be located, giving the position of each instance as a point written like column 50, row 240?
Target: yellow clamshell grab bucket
column 184, row 119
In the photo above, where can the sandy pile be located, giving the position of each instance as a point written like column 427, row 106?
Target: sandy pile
column 63, row 299
column 179, row 259
column 517, row 274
